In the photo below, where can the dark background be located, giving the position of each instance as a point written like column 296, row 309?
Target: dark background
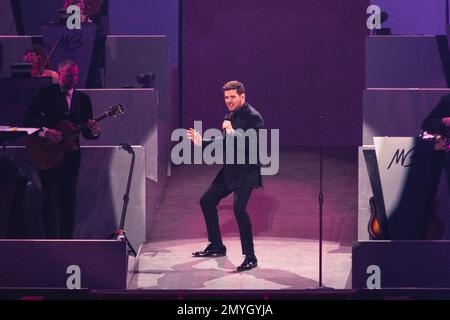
column 293, row 56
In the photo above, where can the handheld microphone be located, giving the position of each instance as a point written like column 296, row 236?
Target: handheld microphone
column 227, row 118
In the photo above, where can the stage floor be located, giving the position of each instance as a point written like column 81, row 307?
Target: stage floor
column 283, row 263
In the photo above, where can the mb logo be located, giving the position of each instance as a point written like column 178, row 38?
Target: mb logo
column 74, row 280
column 404, row 158
column 374, row 20
column 74, row 20
column 374, row 279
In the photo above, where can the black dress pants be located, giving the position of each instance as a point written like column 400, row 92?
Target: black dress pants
column 209, row 201
column 59, row 197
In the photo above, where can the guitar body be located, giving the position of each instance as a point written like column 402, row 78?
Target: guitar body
column 374, row 225
column 45, row 155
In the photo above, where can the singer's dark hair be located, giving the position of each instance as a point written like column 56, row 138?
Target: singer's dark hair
column 234, row 85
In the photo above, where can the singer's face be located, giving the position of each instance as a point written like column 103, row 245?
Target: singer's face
column 68, row 78
column 233, row 100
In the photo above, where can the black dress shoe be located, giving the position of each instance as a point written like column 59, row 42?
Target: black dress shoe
column 211, row 251
column 249, row 263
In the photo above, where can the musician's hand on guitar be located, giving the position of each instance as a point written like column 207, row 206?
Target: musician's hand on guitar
column 194, row 136
column 94, row 127
column 54, row 136
column 439, row 143
column 446, row 121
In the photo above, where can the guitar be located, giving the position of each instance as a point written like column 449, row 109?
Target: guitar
column 374, row 225
column 45, row 155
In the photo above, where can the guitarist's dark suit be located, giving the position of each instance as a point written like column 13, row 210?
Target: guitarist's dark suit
column 59, row 184
column 433, row 124
column 238, row 178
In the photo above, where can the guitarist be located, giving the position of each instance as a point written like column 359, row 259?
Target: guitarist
column 51, row 105
column 438, row 123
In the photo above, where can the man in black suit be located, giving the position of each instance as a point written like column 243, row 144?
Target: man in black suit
column 50, row 106
column 438, row 122
column 233, row 177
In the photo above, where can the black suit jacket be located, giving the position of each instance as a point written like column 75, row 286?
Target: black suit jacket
column 242, row 175
column 433, row 123
column 50, row 107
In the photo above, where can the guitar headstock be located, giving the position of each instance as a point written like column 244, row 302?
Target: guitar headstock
column 115, row 111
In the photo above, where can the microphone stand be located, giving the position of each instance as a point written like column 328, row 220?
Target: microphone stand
column 120, row 234
column 322, row 131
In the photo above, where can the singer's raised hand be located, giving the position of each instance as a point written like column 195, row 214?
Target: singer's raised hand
column 194, row 136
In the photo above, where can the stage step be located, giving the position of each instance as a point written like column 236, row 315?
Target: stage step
column 68, row 264
column 400, row 264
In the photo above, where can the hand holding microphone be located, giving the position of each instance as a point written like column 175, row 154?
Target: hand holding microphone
column 227, row 127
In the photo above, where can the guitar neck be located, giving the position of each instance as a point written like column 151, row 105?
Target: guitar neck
column 77, row 130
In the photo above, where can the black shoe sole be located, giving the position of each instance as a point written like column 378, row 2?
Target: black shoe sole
column 247, row 268
column 209, row 255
